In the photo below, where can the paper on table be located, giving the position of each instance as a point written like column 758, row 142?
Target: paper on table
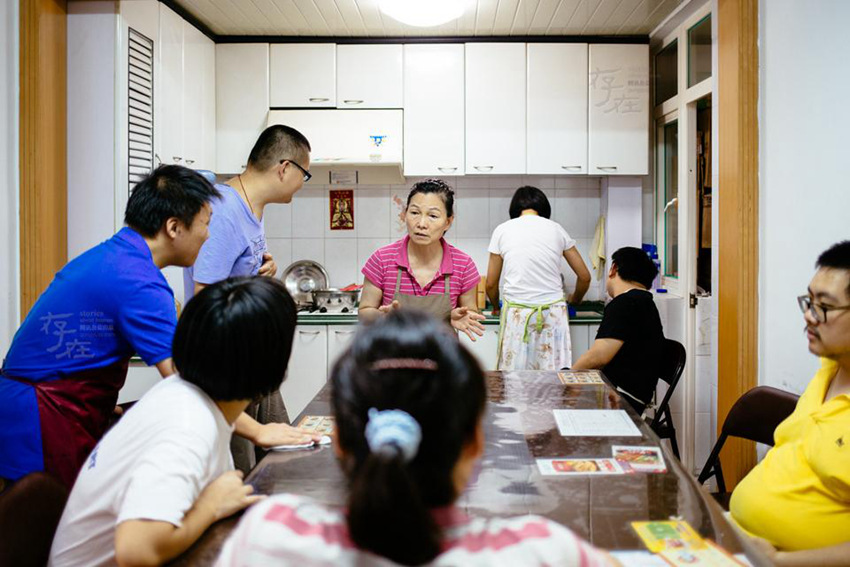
column 325, row 440
column 595, row 423
column 571, row 467
column 638, row 559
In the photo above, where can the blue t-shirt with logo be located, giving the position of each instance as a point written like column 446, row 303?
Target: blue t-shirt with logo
column 235, row 247
column 101, row 308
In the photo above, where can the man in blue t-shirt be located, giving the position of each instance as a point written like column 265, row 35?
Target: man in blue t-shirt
column 60, row 379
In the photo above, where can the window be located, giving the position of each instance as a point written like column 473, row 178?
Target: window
column 699, row 51
column 669, row 181
column 666, row 73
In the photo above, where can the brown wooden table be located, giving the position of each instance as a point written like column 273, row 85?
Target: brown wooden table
column 519, row 428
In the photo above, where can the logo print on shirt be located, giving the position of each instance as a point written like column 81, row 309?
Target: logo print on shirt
column 840, row 442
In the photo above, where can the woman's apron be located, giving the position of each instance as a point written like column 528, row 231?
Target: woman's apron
column 440, row 306
column 546, row 347
column 74, row 412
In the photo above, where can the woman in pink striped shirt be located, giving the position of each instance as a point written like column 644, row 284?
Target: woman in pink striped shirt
column 422, row 270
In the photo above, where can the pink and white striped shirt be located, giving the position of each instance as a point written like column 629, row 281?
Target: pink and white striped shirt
column 382, row 268
column 293, row 530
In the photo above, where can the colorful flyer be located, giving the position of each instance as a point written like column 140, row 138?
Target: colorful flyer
column 574, row 467
column 580, row 377
column 668, row 535
column 322, row 424
column 709, row 556
column 639, row 459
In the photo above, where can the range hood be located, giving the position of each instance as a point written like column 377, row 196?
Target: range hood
column 365, row 144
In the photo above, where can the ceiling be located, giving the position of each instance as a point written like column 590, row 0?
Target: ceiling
column 353, row 18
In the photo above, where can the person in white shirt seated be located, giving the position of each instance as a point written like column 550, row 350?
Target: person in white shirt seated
column 408, row 401
column 163, row 474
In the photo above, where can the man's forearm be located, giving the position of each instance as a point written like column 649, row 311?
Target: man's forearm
column 493, row 295
column 588, row 361
column 142, row 542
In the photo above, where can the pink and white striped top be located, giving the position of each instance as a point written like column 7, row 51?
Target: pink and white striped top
column 293, row 530
column 382, row 268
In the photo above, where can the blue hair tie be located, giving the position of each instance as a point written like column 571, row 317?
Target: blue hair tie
column 391, row 432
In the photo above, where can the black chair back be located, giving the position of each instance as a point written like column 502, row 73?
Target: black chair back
column 673, row 360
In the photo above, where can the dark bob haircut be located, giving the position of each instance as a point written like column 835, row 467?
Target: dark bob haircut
column 634, row 265
column 169, row 191
column 528, row 197
column 439, row 187
column 836, row 257
column 234, row 338
column 277, row 143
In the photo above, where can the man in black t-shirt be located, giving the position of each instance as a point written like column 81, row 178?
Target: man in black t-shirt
column 629, row 343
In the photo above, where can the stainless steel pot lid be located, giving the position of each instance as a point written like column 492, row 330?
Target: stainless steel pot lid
column 302, row 278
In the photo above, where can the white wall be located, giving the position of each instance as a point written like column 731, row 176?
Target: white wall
column 9, row 205
column 803, row 154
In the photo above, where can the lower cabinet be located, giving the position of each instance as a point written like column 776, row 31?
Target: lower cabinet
column 308, row 368
column 339, row 337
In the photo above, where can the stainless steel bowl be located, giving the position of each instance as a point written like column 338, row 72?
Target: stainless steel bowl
column 333, row 300
column 302, row 278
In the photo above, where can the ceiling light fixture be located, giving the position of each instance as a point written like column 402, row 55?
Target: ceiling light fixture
column 423, row 13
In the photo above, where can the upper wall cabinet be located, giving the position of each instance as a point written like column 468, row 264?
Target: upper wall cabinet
column 169, row 91
column 369, row 76
column 303, row 75
column 198, row 99
column 557, row 108
column 433, row 110
column 618, row 140
column 242, row 101
column 495, row 108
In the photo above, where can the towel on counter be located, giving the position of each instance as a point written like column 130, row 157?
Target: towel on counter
column 597, row 248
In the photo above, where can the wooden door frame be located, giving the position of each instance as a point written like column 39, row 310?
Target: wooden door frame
column 738, row 196
column 43, row 145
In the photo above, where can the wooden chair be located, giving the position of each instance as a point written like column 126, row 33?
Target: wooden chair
column 30, row 510
column 754, row 416
column 672, row 366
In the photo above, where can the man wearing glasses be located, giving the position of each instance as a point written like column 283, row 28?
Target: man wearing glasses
column 277, row 168
column 797, row 500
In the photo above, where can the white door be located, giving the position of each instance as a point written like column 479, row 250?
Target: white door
column 302, row 75
column 193, row 95
column 170, row 90
column 618, row 117
column 242, row 101
column 495, row 108
column 433, row 117
column 557, row 108
column 308, row 367
column 369, row 76
column 339, row 337
column 485, row 348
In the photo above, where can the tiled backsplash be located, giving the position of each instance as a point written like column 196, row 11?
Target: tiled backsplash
column 300, row 231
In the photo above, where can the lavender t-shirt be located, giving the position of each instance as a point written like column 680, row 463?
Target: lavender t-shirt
column 235, row 247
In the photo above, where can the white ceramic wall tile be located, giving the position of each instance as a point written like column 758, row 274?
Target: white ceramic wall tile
column 372, row 212
column 703, row 440
column 570, row 182
column 309, row 249
column 477, row 250
column 398, row 201
column 281, row 251
column 326, row 219
column 472, row 182
column 472, row 217
column 341, row 261
column 365, row 248
column 539, row 181
column 569, row 209
column 308, row 213
column 500, row 203
column 277, row 219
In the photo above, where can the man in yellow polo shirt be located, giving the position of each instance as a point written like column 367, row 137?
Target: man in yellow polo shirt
column 797, row 500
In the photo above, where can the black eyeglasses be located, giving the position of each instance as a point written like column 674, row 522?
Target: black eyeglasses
column 307, row 174
column 817, row 310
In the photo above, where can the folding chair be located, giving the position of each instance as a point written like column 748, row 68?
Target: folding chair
column 672, row 365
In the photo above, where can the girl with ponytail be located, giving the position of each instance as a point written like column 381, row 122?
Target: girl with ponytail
column 408, row 401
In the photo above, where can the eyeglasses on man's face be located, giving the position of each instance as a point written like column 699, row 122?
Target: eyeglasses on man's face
column 817, row 310
column 307, row 174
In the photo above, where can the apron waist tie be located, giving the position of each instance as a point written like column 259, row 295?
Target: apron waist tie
column 537, row 309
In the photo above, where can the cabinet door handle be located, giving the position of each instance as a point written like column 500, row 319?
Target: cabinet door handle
column 190, row 161
column 319, row 99
column 571, row 167
column 158, row 161
column 177, row 159
column 309, row 332
column 447, row 169
column 353, row 101
column 483, row 167
column 344, row 332
column 607, row 167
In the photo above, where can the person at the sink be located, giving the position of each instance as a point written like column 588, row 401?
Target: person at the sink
column 277, row 168
column 422, row 270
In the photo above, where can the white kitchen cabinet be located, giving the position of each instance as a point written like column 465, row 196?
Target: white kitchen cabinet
column 302, row 75
column 579, row 342
column 308, row 368
column 169, row 91
column 557, row 108
column 618, row 116
column 339, row 337
column 242, row 101
column 485, row 348
column 207, row 61
column 495, row 108
column 369, row 76
column 433, row 117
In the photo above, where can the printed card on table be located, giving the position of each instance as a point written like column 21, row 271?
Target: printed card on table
column 639, row 459
column 580, row 377
column 321, row 424
column 575, row 467
column 595, row 423
column 668, row 535
column 709, row 556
